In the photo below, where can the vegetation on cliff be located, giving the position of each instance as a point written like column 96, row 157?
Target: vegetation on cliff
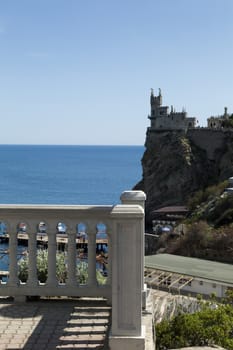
column 212, row 325
column 228, row 123
column 191, row 168
column 177, row 164
column 208, row 232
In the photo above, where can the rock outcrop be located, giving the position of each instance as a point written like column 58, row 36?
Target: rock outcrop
column 178, row 163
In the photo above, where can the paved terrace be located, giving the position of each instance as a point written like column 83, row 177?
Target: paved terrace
column 62, row 323
column 54, row 324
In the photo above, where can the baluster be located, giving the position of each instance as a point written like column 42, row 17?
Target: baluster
column 52, row 248
column 13, row 268
column 72, row 260
column 109, row 278
column 32, row 269
column 92, row 257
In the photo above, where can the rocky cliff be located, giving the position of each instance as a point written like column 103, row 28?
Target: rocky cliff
column 177, row 163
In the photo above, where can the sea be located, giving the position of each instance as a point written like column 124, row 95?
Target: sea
column 42, row 174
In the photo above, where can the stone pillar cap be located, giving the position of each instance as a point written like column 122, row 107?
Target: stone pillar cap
column 133, row 196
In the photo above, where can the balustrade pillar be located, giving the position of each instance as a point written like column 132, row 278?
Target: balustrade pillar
column 52, row 249
column 13, row 268
column 133, row 197
column 92, row 257
column 32, row 268
column 72, row 260
column 127, row 271
column 138, row 198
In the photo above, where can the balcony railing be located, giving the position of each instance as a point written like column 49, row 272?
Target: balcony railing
column 124, row 229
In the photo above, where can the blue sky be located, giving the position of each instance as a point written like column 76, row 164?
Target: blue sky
column 80, row 71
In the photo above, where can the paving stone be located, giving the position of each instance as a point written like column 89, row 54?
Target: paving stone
column 53, row 325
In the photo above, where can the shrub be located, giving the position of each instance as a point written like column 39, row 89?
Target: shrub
column 203, row 195
column 225, row 219
column 61, row 268
column 206, row 327
column 42, row 266
column 223, row 205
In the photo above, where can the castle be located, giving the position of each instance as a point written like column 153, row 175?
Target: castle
column 161, row 119
column 219, row 121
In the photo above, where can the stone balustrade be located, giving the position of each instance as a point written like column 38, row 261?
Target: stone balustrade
column 124, row 225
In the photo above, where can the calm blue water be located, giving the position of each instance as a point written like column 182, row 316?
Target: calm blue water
column 67, row 174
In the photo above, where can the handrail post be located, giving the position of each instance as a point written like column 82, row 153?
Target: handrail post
column 138, row 197
column 127, row 277
column 134, row 197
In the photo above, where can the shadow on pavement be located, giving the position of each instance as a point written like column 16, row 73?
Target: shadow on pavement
column 54, row 324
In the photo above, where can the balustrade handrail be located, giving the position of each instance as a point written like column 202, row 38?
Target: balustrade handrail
column 12, row 215
column 124, row 225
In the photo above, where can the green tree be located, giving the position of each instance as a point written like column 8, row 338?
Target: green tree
column 206, row 327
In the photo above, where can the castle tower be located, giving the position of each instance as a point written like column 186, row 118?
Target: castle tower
column 155, row 101
column 161, row 119
column 225, row 113
column 157, row 110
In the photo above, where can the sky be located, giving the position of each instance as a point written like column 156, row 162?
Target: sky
column 80, row 72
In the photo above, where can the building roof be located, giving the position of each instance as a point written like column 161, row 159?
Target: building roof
column 171, row 209
column 199, row 268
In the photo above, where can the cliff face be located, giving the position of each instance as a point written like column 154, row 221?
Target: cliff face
column 176, row 164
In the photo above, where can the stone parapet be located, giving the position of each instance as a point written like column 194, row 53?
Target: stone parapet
column 125, row 230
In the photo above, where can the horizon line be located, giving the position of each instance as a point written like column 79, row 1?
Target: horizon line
column 82, row 145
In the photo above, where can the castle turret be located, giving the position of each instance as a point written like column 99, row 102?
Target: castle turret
column 220, row 121
column 225, row 112
column 155, row 101
column 161, row 118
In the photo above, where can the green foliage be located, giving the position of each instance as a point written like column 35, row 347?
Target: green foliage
column 82, row 270
column 206, row 242
column 196, row 239
column 211, row 206
column 42, row 266
column 204, row 328
column 23, row 269
column 222, row 212
column 61, row 269
column 229, row 296
column 199, row 297
column 225, row 218
column 227, row 123
column 203, row 195
column 196, row 200
column 100, row 278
